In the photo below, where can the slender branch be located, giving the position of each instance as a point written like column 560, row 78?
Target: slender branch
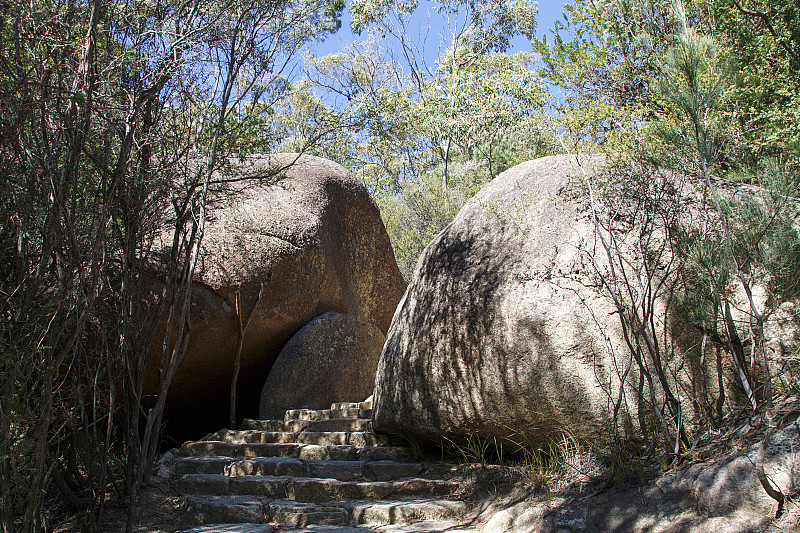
column 795, row 56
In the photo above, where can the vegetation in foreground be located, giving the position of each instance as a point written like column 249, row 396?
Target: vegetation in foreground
column 116, row 118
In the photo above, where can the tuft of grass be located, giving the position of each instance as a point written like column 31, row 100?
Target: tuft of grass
column 415, row 446
column 540, row 466
column 467, row 453
column 556, row 463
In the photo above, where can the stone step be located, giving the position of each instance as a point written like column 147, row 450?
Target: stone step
column 250, row 424
column 421, row 527
column 333, row 438
column 296, row 426
column 327, row 529
column 268, row 528
column 407, row 511
column 205, row 465
column 252, row 510
column 298, row 514
column 310, row 489
column 327, row 414
column 322, row 438
column 351, row 405
column 225, row 509
column 321, row 471
column 311, row 528
column 231, row 528
column 362, row 470
column 431, row 527
column 288, row 466
column 256, row 437
column 211, row 448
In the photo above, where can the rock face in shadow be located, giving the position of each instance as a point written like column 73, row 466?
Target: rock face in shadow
column 311, row 243
column 497, row 334
column 332, row 359
column 732, row 485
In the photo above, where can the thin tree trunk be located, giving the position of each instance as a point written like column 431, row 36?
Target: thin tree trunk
column 237, row 357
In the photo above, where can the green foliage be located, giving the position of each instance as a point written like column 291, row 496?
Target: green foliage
column 762, row 228
column 486, row 26
column 755, row 241
column 492, row 23
column 369, row 13
column 423, row 139
column 541, row 467
column 610, row 58
column 477, row 450
column 764, row 38
column 405, row 118
column 604, row 56
column 414, row 217
column 480, row 100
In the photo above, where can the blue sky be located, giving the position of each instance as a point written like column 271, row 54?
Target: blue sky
column 548, row 13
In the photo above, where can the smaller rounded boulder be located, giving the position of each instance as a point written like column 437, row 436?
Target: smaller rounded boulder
column 331, row 359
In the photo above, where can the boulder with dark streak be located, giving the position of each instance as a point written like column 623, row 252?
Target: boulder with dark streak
column 311, row 243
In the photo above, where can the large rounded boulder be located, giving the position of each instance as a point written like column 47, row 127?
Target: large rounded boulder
column 503, row 331
column 294, row 249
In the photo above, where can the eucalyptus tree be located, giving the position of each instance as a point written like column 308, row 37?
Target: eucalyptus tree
column 427, row 95
column 606, row 56
column 416, row 109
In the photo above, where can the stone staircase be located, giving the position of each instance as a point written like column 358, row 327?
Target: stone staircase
column 315, row 470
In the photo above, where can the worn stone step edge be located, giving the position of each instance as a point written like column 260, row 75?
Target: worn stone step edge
column 326, row 414
column 312, row 490
column 405, row 511
column 351, row 405
column 296, row 450
column 418, row 527
column 254, row 510
column 288, row 466
column 296, row 426
column 269, row 528
column 232, row 528
column 322, row 438
column 430, row 527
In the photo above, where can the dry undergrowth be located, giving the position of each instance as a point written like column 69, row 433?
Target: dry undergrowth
column 586, row 476
column 159, row 512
